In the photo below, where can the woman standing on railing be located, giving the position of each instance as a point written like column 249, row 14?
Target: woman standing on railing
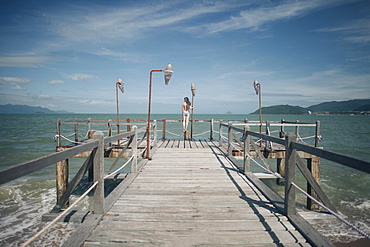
column 186, row 106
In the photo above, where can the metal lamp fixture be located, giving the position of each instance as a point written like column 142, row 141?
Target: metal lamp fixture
column 119, row 85
column 168, row 73
column 167, row 76
column 257, row 88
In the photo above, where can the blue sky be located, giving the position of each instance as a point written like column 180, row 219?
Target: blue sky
column 67, row 55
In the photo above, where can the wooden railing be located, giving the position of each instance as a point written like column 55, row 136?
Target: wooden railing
column 292, row 160
column 95, row 161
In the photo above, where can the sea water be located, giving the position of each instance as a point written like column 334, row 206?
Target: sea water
column 24, row 137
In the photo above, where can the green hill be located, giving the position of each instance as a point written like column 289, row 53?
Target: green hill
column 25, row 109
column 334, row 107
column 340, row 106
column 283, row 109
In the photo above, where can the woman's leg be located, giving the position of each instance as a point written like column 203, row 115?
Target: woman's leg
column 183, row 122
column 186, row 122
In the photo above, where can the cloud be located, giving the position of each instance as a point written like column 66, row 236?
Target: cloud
column 82, row 77
column 23, row 61
column 101, row 23
column 357, row 32
column 17, row 87
column 255, row 18
column 13, row 80
column 56, row 82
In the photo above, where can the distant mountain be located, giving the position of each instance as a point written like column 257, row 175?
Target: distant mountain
column 340, row 106
column 25, row 109
column 334, row 107
column 283, row 109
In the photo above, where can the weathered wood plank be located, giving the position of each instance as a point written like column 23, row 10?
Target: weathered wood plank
column 187, row 196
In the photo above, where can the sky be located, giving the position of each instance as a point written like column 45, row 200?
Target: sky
column 67, row 55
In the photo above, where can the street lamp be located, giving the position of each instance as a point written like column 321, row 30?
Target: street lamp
column 119, row 85
column 257, row 88
column 193, row 90
column 167, row 76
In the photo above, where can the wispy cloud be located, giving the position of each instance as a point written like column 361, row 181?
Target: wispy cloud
column 15, row 83
column 103, row 23
column 17, row 87
column 23, row 61
column 82, row 77
column 255, row 18
column 56, row 82
column 357, row 31
column 21, row 80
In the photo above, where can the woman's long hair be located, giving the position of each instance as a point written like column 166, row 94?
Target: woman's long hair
column 186, row 99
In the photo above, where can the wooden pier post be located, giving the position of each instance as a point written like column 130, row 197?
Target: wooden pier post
column 280, row 168
column 98, row 164
column 313, row 165
column 110, row 129
column 62, row 170
column 186, row 135
column 164, row 129
column 220, row 135
column 134, row 150
column 211, row 131
column 59, row 141
column 282, row 131
column 229, row 140
column 76, row 131
column 290, row 176
column 128, row 120
column 317, row 134
column 246, row 150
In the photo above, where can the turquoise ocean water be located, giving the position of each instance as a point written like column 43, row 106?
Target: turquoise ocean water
column 28, row 136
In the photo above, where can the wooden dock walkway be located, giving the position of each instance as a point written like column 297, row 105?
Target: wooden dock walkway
column 190, row 194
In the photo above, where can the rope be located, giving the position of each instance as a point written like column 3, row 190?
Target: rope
column 60, row 216
column 119, row 168
column 202, row 133
column 333, row 213
column 56, row 136
column 172, row 133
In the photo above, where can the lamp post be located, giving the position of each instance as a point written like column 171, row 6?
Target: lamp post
column 193, row 90
column 257, row 88
column 167, row 76
column 119, row 85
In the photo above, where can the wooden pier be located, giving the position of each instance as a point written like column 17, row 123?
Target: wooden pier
column 190, row 194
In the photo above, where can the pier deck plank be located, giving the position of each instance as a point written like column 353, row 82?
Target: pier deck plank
column 192, row 196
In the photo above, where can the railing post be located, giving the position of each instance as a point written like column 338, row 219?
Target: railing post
column 317, row 134
column 134, row 150
column 164, row 129
column 211, row 130
column 76, row 131
column 128, row 120
column 268, row 132
column 290, row 170
column 59, row 141
column 229, row 139
column 98, row 164
column 109, row 127
column 89, row 131
column 297, row 128
column 313, row 165
column 220, row 135
column 155, row 133
column 282, row 134
column 247, row 141
column 62, row 171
